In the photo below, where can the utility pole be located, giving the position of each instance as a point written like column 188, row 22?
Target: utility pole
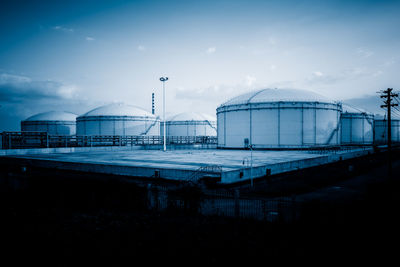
column 388, row 104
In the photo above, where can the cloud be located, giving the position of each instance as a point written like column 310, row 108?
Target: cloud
column 371, row 103
column 272, row 67
column 21, row 97
column 218, row 93
column 318, row 77
column 15, row 88
column 364, row 52
column 88, row 38
column 141, row 48
column 389, row 62
column 377, row 73
column 63, row 29
column 272, row 40
column 211, row 50
column 250, row 80
column 318, row 74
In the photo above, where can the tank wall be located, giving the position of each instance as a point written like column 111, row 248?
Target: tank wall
column 190, row 129
column 356, row 129
column 117, row 127
column 210, row 131
column 264, row 127
column 380, row 128
column 221, row 129
column 327, row 124
column 346, row 131
column 290, row 127
column 236, row 128
column 153, row 128
column 52, row 128
column 309, row 128
column 289, row 124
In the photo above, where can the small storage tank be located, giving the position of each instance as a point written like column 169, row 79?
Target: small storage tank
column 118, row 119
column 190, row 124
column 380, row 129
column 278, row 118
column 357, row 126
column 52, row 122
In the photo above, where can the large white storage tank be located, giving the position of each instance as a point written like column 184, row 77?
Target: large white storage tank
column 118, row 119
column 190, row 124
column 278, row 118
column 357, row 126
column 380, row 129
column 52, row 122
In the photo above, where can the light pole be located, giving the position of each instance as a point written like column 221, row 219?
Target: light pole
column 163, row 80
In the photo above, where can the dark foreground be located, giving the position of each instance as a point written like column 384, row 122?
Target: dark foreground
column 63, row 225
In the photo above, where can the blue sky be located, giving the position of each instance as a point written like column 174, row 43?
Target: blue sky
column 76, row 55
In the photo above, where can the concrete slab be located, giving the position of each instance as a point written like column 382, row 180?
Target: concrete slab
column 233, row 165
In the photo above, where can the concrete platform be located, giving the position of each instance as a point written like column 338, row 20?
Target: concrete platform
column 226, row 166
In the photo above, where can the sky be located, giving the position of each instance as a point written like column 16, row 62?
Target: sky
column 76, row 55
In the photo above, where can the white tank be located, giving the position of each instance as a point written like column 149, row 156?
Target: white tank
column 380, row 128
column 118, row 119
column 52, row 122
column 278, row 118
column 356, row 126
column 190, row 124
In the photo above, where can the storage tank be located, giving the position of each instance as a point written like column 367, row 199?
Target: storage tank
column 357, row 126
column 278, row 118
column 52, row 122
column 118, row 119
column 190, row 124
column 380, row 129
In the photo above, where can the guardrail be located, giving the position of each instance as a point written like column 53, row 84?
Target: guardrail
column 13, row 140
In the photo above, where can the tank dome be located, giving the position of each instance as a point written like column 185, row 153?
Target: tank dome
column 53, row 116
column 118, row 109
column 190, row 124
column 276, row 95
column 346, row 108
column 118, row 119
column 191, row 116
column 52, row 122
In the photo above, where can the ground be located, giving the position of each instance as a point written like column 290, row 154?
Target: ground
column 351, row 219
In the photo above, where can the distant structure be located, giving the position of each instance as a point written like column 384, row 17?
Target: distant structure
column 191, row 124
column 381, row 132
column 278, row 118
column 152, row 104
column 118, row 119
column 52, row 122
column 357, row 126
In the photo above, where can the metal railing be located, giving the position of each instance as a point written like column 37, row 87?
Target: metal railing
column 212, row 170
column 14, row 140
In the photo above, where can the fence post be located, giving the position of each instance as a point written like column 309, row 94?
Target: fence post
column 236, row 196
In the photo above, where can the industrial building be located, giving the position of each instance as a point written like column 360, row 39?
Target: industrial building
column 381, row 130
column 278, row 118
column 118, row 119
column 356, row 126
column 52, row 122
column 190, row 124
